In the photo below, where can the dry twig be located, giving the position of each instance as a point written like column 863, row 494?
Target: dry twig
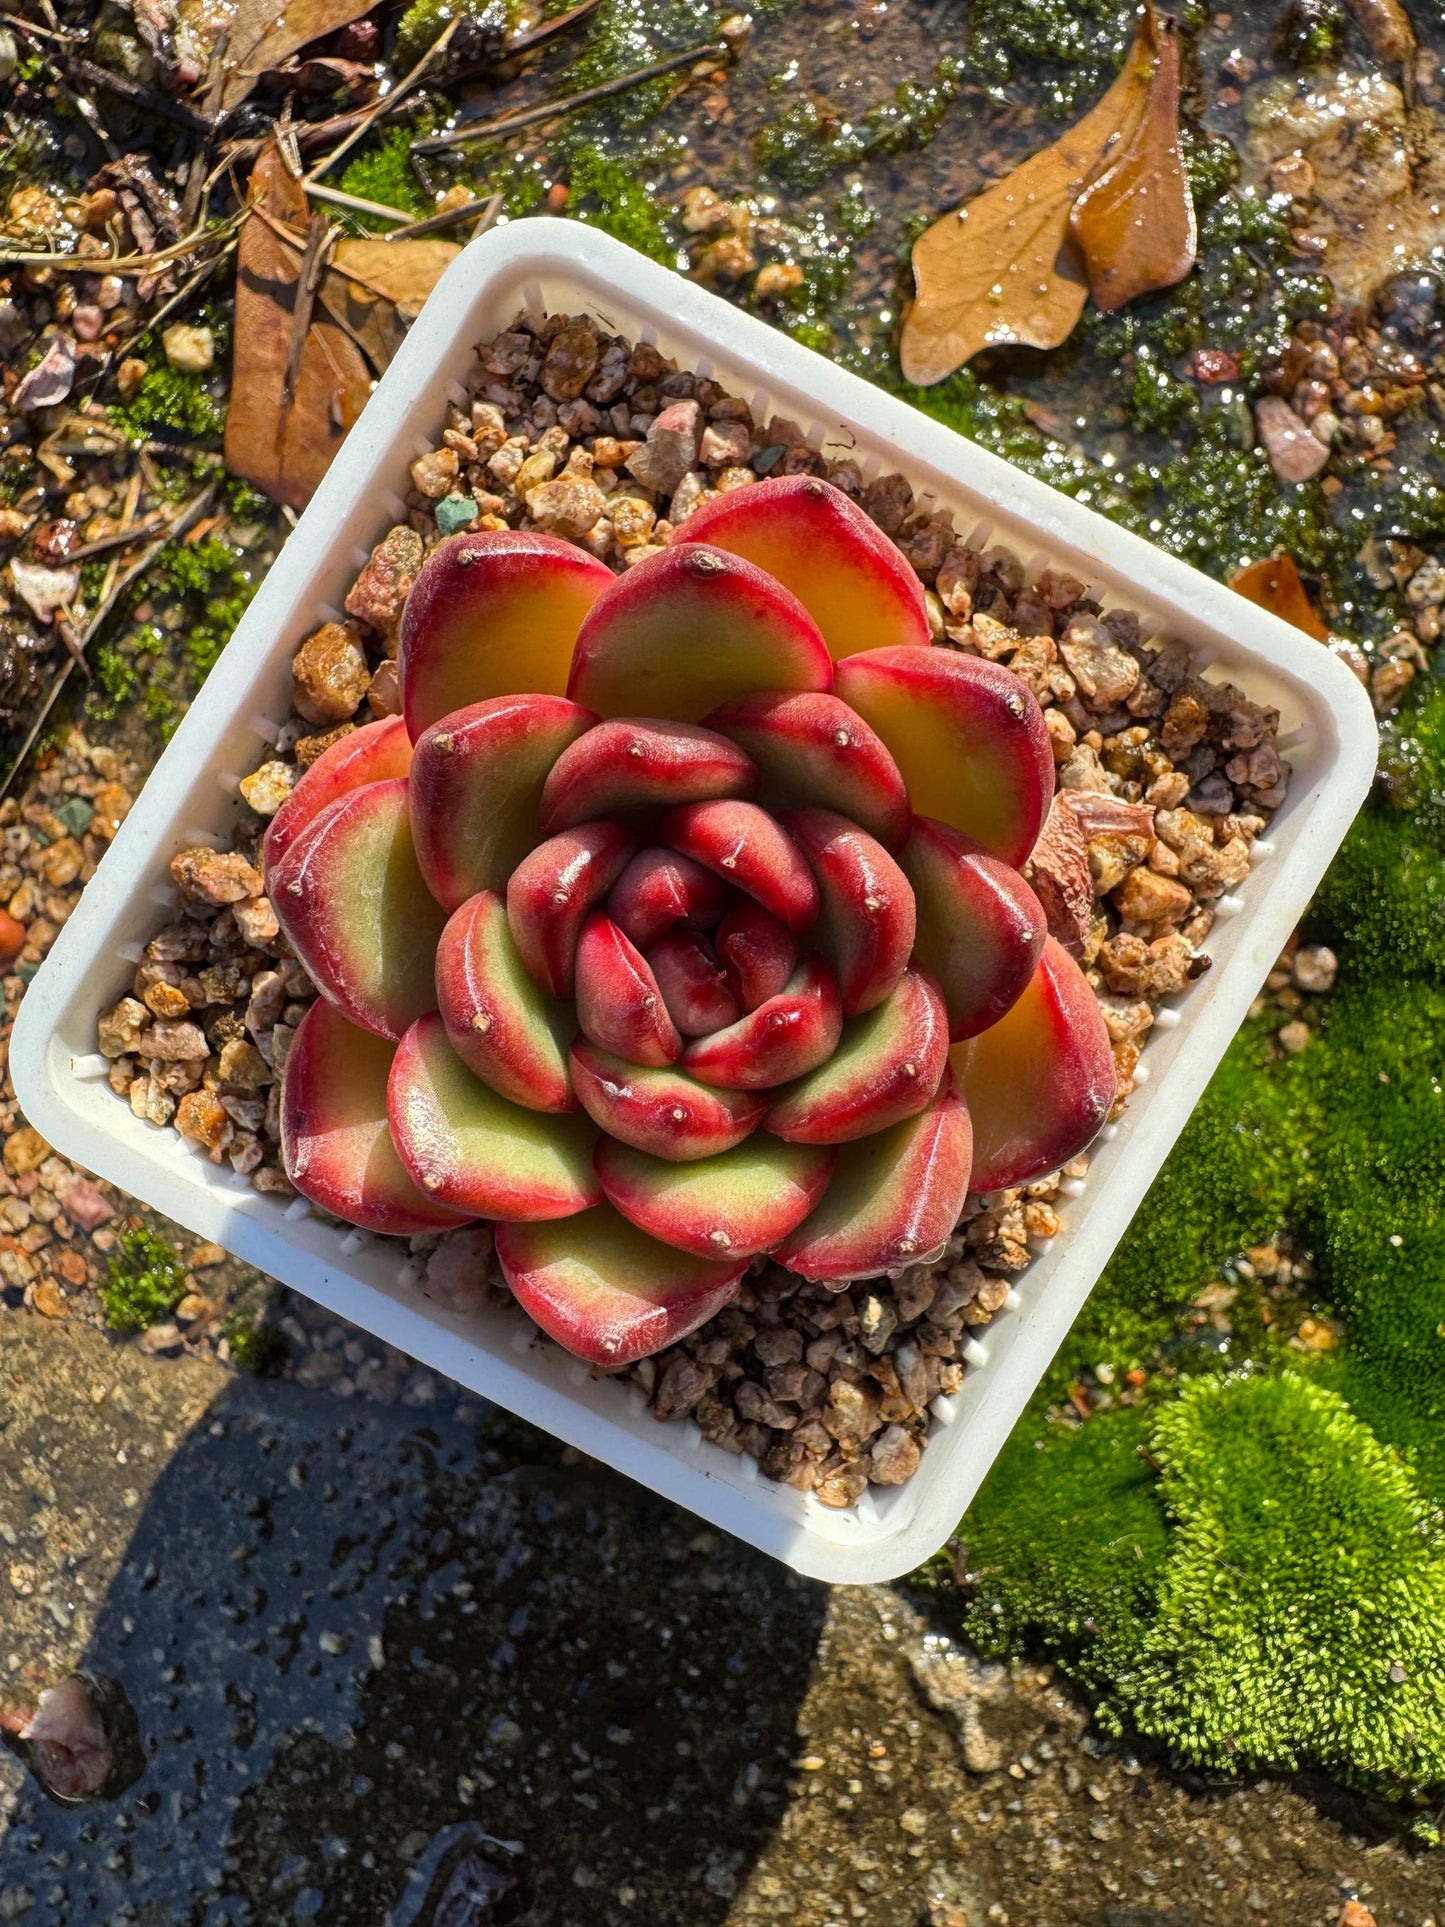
column 555, row 109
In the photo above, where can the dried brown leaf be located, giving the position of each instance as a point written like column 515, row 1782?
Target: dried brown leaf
column 1134, row 224
column 374, row 288
column 403, row 271
column 1002, row 269
column 1275, row 585
column 285, row 451
column 262, row 35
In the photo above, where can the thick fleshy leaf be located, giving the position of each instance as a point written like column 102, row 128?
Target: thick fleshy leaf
column 468, row 1147
column 894, row 1199
column 370, row 754
column 981, row 929
column 550, row 893
column 633, row 763
column 812, row 538
column 694, row 987
column 812, row 749
column 350, row 896
column 504, row 1029
column 664, row 1111
column 729, row 1206
column 1041, row 1081
column 658, row 889
column 757, row 952
column 606, row 1291
column 968, row 738
column 786, row 1037
column 746, row 846
column 477, row 781
column 888, row 1065
column 866, row 920
column 619, row 1005
column 495, row 613
column 335, row 1140
column 689, row 628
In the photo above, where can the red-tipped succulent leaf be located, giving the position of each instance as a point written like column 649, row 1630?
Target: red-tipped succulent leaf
column 475, row 1151
column 731, row 1205
column 894, row 1199
column 551, row 891
column 981, row 929
column 477, row 778
column 493, row 614
column 631, row 764
column 659, row 889
column 687, row 629
column 335, row 1138
column 608, row 1292
column 812, row 749
column 350, row 896
column 619, row 1005
column 746, row 846
column 967, row 735
column 865, row 919
column 1041, row 1081
column 505, row 1030
column 809, row 536
column 662, row 1111
column 370, row 754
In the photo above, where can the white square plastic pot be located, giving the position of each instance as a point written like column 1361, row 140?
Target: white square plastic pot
column 1327, row 733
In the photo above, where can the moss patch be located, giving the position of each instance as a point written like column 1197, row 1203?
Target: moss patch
column 608, row 195
column 145, row 1281
column 1300, row 1613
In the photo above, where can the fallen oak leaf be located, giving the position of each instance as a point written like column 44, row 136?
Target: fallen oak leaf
column 1275, row 585
column 1003, row 268
column 261, row 35
column 285, row 451
column 1135, row 223
column 374, row 289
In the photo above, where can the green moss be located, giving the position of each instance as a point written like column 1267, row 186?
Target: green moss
column 382, row 171
column 256, row 1348
column 809, row 141
column 627, row 34
column 145, row 1281
column 1063, row 1545
column 608, row 195
column 1312, row 31
column 1300, row 1612
column 167, row 399
column 1211, row 163
column 424, row 20
column 1158, row 400
column 1075, row 46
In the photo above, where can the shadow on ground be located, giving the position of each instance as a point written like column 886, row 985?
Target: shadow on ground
column 358, row 1639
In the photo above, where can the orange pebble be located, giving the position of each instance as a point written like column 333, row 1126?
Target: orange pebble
column 12, row 937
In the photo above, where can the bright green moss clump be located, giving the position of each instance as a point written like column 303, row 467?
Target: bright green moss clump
column 145, row 1282
column 608, row 195
column 169, row 401
column 1300, row 1613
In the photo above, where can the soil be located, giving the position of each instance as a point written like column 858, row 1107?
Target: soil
column 362, row 1640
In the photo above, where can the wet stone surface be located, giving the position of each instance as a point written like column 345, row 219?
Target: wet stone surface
column 387, row 1663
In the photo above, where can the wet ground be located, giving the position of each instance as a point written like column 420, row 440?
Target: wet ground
column 373, row 1650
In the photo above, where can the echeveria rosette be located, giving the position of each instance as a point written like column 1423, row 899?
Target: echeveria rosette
column 680, row 921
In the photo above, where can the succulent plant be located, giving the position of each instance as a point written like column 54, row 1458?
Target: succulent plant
column 679, row 919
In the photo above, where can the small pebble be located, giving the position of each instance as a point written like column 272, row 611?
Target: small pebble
column 190, row 350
